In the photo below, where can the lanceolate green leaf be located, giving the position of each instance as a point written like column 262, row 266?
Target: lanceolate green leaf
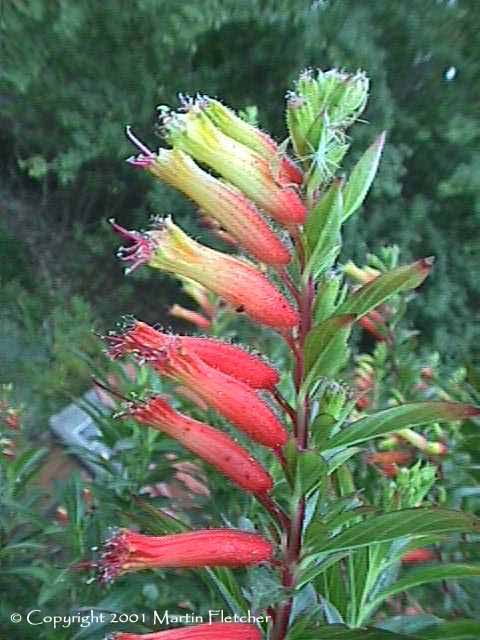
column 362, row 177
column 425, row 575
column 341, row 632
column 397, row 524
column 324, row 222
column 386, row 285
column 326, row 347
column 455, row 630
column 407, row 415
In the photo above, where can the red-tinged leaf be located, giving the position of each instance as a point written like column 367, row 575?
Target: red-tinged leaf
column 408, row 415
column 386, row 285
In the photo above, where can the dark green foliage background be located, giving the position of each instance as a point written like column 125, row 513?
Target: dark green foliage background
column 75, row 73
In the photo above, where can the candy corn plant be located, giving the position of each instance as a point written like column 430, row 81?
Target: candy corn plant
column 333, row 556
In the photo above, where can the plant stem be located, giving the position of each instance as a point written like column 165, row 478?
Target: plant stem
column 293, row 544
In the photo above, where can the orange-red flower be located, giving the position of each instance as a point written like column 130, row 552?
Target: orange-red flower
column 213, row 446
column 220, row 201
column 197, row 135
column 388, row 457
column 200, row 294
column 418, row 556
column 233, row 399
column 141, row 338
column 169, row 249
column 128, row 551
column 374, row 323
column 213, row 631
column 182, row 313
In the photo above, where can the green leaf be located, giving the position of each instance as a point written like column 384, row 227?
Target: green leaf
column 322, row 230
column 228, row 587
column 311, row 470
column 425, row 575
column 335, row 459
column 454, row 630
column 28, row 464
column 341, row 632
column 362, row 177
column 406, row 522
column 407, row 415
column 326, row 347
column 308, row 571
column 386, row 285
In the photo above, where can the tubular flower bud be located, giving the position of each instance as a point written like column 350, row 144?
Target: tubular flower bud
column 177, row 311
column 129, row 551
column 213, row 631
column 213, row 446
column 422, row 444
column 322, row 107
column 199, row 294
column 283, row 168
column 191, row 396
column 195, row 486
column 216, row 228
column 374, row 323
column 141, row 338
column 389, row 469
column 388, row 457
column 221, row 201
column 169, row 249
column 418, row 556
column 195, row 133
column 361, row 275
column 233, row 399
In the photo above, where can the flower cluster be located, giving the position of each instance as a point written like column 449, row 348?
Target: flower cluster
column 255, row 181
column 287, row 219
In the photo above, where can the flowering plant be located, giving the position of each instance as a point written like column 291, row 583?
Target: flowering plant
column 330, row 555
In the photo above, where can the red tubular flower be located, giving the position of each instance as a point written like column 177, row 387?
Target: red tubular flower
column 169, row 249
column 200, row 295
column 191, row 396
column 141, row 338
column 221, row 201
column 418, row 556
column 374, row 323
column 213, row 446
column 129, row 551
column 388, row 457
column 389, row 469
column 233, row 399
column 177, row 311
column 197, row 135
column 214, row 631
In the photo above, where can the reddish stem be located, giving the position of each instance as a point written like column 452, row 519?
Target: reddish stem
column 289, row 410
column 274, row 509
column 293, row 545
column 287, row 281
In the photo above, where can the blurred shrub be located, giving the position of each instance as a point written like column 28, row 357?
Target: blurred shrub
column 76, row 73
